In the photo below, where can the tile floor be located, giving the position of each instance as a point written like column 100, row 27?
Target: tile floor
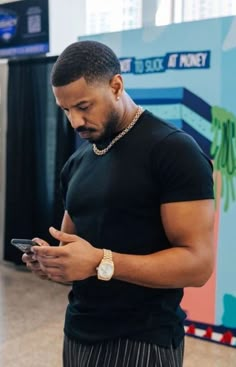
column 31, row 321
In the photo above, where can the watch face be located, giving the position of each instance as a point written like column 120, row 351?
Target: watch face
column 105, row 270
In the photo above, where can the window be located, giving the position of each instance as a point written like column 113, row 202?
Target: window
column 120, row 15
column 164, row 12
column 176, row 11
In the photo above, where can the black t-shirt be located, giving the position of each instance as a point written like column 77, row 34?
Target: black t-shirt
column 114, row 201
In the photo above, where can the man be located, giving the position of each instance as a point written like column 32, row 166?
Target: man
column 138, row 222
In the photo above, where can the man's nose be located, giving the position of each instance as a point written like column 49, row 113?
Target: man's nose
column 76, row 119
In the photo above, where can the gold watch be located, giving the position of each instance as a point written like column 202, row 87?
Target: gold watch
column 105, row 269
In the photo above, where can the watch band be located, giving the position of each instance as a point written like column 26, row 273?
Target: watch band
column 107, row 255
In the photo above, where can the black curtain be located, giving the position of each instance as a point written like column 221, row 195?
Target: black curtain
column 39, row 141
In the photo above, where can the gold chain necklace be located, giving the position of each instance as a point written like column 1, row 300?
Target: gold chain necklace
column 120, row 135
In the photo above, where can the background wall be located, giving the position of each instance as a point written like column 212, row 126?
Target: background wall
column 185, row 73
column 3, row 127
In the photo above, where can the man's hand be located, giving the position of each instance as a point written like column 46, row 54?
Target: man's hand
column 33, row 264
column 76, row 260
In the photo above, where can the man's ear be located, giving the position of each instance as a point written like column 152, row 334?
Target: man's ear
column 117, row 85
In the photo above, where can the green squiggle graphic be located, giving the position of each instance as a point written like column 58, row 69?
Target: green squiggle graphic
column 223, row 151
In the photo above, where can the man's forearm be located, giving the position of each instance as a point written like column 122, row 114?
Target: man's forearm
column 173, row 268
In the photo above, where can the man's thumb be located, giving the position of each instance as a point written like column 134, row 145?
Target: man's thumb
column 62, row 236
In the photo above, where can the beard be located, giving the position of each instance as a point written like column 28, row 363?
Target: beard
column 111, row 128
column 110, row 124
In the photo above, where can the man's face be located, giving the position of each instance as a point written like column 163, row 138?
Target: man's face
column 90, row 108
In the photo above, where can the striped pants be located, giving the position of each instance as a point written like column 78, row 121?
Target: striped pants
column 120, row 353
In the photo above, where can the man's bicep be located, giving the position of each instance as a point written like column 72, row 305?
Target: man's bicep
column 189, row 223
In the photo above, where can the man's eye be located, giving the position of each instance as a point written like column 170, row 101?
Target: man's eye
column 83, row 108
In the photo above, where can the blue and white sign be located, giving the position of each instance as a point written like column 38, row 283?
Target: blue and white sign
column 159, row 64
column 8, row 23
column 24, row 28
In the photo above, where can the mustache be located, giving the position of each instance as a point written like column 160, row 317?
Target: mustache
column 82, row 129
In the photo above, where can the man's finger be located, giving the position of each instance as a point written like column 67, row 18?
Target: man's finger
column 33, row 266
column 49, row 261
column 53, row 272
column 58, row 279
column 27, row 258
column 47, row 251
column 62, row 236
column 40, row 241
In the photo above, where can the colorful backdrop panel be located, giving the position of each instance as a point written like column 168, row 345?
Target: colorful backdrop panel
column 185, row 73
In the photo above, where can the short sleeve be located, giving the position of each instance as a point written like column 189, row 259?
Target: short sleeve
column 69, row 169
column 64, row 183
column 65, row 176
column 182, row 170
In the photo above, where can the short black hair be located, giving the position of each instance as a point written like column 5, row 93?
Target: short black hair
column 89, row 59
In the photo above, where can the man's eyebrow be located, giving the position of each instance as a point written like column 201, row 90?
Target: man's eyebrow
column 75, row 105
column 80, row 103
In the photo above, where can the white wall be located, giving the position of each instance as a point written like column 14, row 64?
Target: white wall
column 67, row 21
column 3, row 124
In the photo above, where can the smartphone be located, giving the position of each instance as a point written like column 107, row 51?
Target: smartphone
column 23, row 244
